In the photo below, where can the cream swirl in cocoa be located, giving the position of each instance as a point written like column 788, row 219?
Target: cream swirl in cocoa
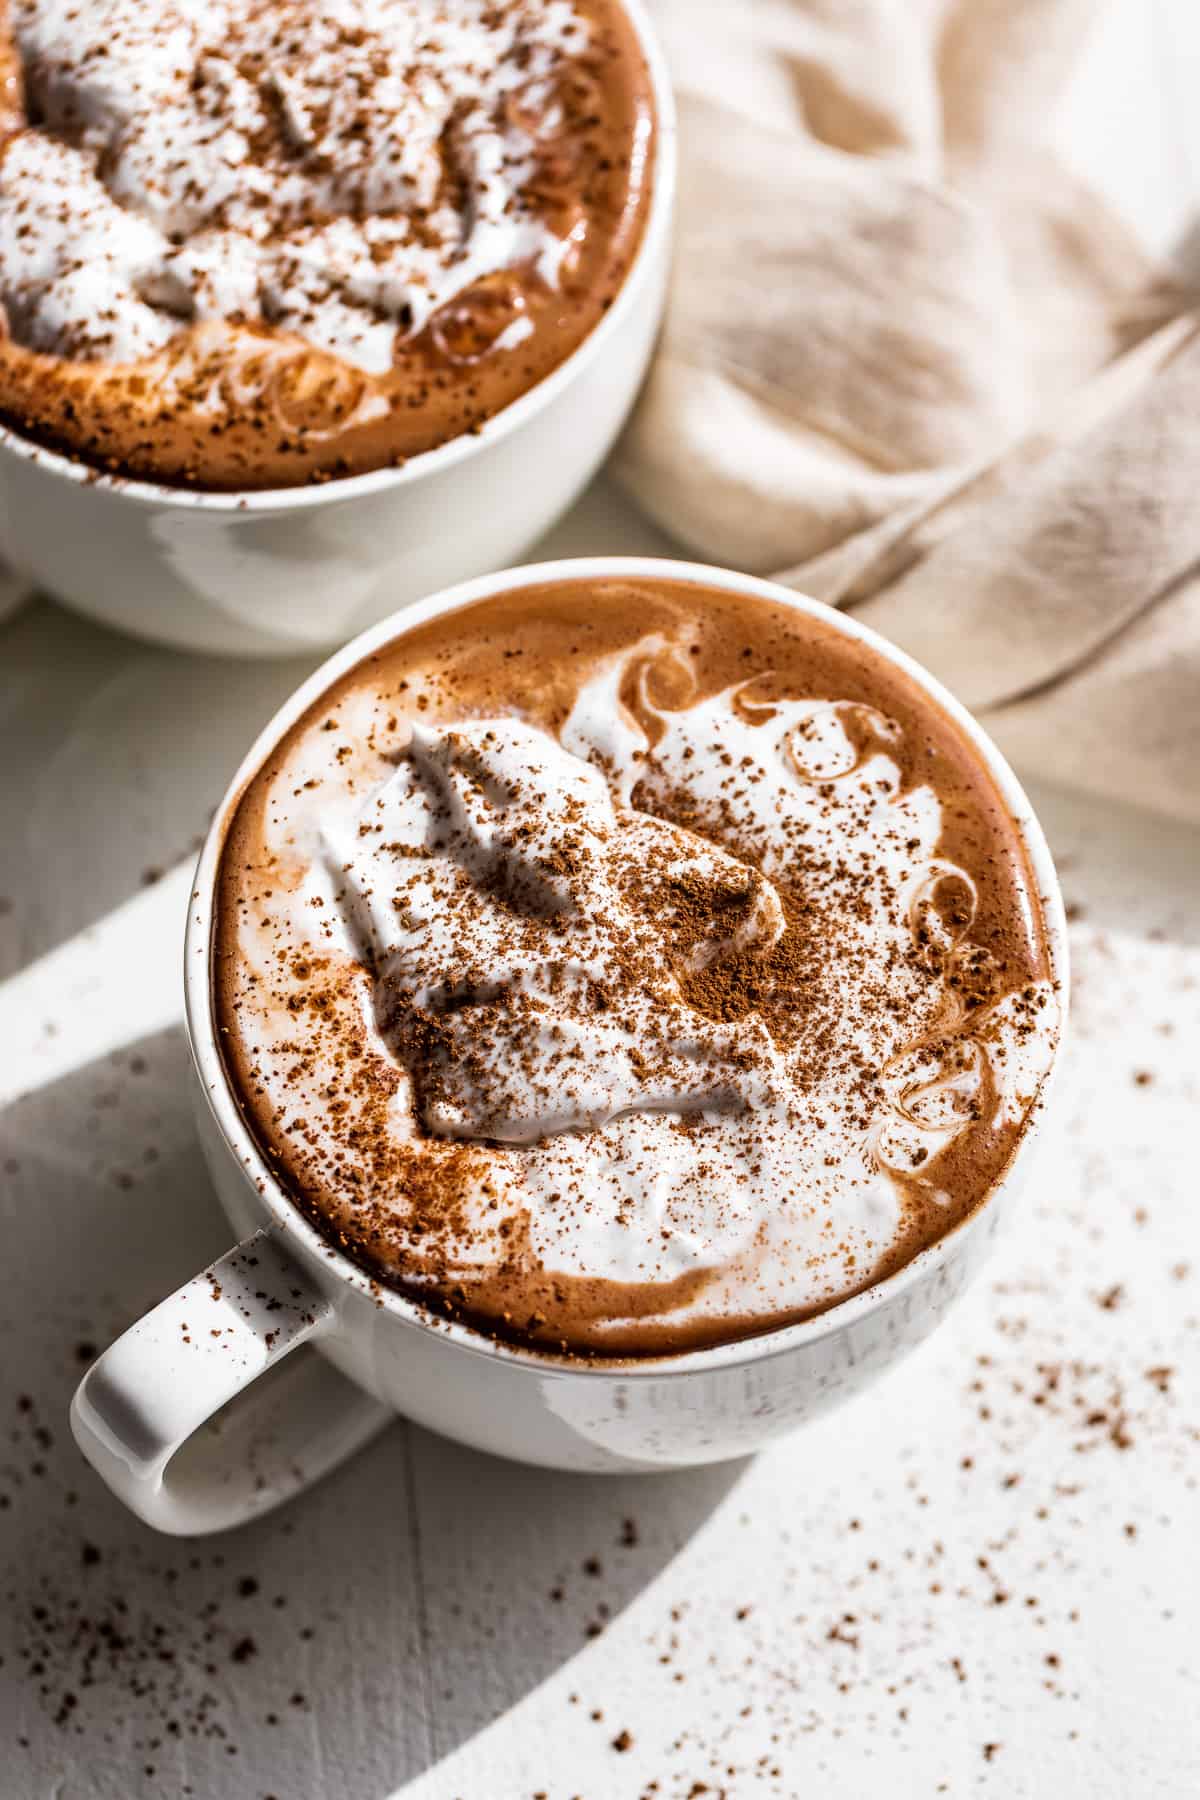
column 655, row 1008
column 515, row 916
column 410, row 206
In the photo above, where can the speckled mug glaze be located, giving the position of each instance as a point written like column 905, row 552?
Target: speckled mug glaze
column 285, row 1284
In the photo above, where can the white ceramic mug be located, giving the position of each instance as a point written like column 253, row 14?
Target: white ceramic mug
column 290, row 569
column 285, row 1285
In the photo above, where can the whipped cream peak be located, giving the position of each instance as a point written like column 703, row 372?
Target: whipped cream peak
column 339, row 170
column 534, row 942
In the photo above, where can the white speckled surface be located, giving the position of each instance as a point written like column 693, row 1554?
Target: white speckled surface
column 978, row 1578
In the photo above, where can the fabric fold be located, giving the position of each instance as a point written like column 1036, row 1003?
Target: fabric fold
column 912, row 364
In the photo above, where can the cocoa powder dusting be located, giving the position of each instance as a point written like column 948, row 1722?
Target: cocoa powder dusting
column 404, row 1206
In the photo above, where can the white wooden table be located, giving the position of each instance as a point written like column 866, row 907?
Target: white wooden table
column 981, row 1577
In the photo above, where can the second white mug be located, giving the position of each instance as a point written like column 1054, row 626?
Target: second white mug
column 285, row 1286
column 291, row 569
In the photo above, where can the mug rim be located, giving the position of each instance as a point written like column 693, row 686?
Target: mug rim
column 141, row 491
column 286, row 1213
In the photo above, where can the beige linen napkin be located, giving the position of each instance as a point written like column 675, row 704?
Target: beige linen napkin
column 912, row 363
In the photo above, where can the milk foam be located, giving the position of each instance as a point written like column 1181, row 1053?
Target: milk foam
column 217, row 159
column 796, row 1184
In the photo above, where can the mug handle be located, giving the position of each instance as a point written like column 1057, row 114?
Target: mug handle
column 162, row 1381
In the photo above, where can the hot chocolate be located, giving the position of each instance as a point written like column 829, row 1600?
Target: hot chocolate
column 624, row 967
column 252, row 243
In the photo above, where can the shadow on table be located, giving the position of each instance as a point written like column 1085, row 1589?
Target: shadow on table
column 114, row 753
column 342, row 1645
column 1096, row 842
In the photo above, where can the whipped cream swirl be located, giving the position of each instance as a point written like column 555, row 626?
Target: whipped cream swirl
column 532, row 942
column 340, row 170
